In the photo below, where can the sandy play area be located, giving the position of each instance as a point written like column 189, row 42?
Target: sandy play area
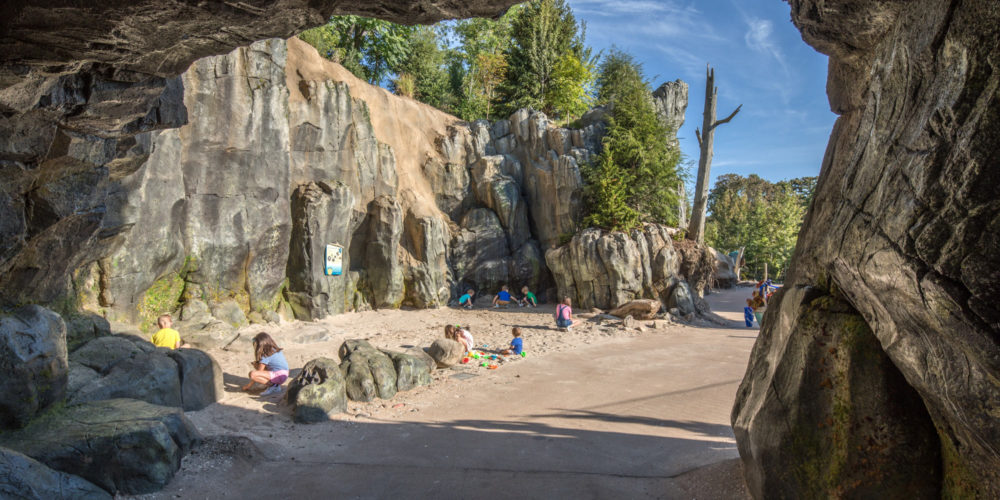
column 602, row 411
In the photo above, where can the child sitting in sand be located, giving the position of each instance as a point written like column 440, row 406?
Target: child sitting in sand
column 166, row 336
column 502, row 298
column 464, row 337
column 516, row 344
column 466, row 300
column 528, row 298
column 564, row 314
column 270, row 366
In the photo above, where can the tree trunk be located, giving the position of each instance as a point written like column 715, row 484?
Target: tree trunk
column 696, row 228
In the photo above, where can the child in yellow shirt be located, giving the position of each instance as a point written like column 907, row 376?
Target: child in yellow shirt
column 166, row 336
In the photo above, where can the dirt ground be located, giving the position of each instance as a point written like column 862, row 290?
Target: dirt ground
column 602, row 411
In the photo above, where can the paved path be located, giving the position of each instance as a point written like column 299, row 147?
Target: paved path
column 626, row 419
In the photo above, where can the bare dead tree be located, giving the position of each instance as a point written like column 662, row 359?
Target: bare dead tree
column 696, row 229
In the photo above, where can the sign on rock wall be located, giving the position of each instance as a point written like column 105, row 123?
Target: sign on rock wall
column 334, row 260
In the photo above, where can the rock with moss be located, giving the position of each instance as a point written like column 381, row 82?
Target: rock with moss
column 368, row 373
column 857, row 428
column 121, row 445
column 23, row 477
column 413, row 368
column 34, row 363
column 318, row 391
column 230, row 312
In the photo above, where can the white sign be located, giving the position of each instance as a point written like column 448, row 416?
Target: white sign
column 334, row 260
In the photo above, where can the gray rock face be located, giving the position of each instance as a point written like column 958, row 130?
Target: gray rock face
column 318, row 391
column 446, row 352
column 725, row 274
column 322, row 215
column 671, row 101
column 368, row 372
column 128, row 37
column 121, row 445
column 24, row 477
column 200, row 378
column 101, row 354
column 683, row 299
column 33, row 358
column 610, row 269
column 150, row 377
column 860, row 430
column 904, row 227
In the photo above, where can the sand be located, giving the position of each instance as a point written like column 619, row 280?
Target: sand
column 600, row 411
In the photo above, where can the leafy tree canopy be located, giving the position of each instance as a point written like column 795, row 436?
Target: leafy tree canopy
column 372, row 49
column 762, row 216
column 635, row 178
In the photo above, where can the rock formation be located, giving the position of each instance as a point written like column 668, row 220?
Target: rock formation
column 282, row 154
column 898, row 253
column 610, row 269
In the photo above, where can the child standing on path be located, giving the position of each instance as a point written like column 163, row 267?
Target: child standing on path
column 516, row 345
column 748, row 314
column 564, row 314
column 270, row 366
column 528, row 299
column 166, row 336
column 466, row 300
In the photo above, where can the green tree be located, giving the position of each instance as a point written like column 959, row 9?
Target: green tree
column 372, row 49
column 425, row 65
column 544, row 33
column 761, row 216
column 635, row 178
column 479, row 63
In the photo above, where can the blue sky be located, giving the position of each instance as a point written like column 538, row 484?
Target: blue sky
column 760, row 61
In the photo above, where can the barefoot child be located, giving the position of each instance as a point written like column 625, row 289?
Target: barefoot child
column 516, row 344
column 528, row 298
column 270, row 366
column 466, row 300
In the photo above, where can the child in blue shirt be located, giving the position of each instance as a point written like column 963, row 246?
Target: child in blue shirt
column 516, row 345
column 466, row 300
column 270, row 365
column 502, row 298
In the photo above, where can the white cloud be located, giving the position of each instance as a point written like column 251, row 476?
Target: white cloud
column 758, row 38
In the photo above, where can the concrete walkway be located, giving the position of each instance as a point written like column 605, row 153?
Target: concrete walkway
column 633, row 418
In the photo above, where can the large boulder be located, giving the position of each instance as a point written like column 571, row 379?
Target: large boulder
column 904, row 226
column 368, row 373
column 318, row 391
column 103, row 353
column 446, row 352
column 150, row 377
column 34, row 362
column 413, row 369
column 122, row 445
column 25, row 478
column 682, row 298
column 214, row 335
column 609, row 269
column 639, row 309
column 859, row 429
column 725, row 272
column 200, row 377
